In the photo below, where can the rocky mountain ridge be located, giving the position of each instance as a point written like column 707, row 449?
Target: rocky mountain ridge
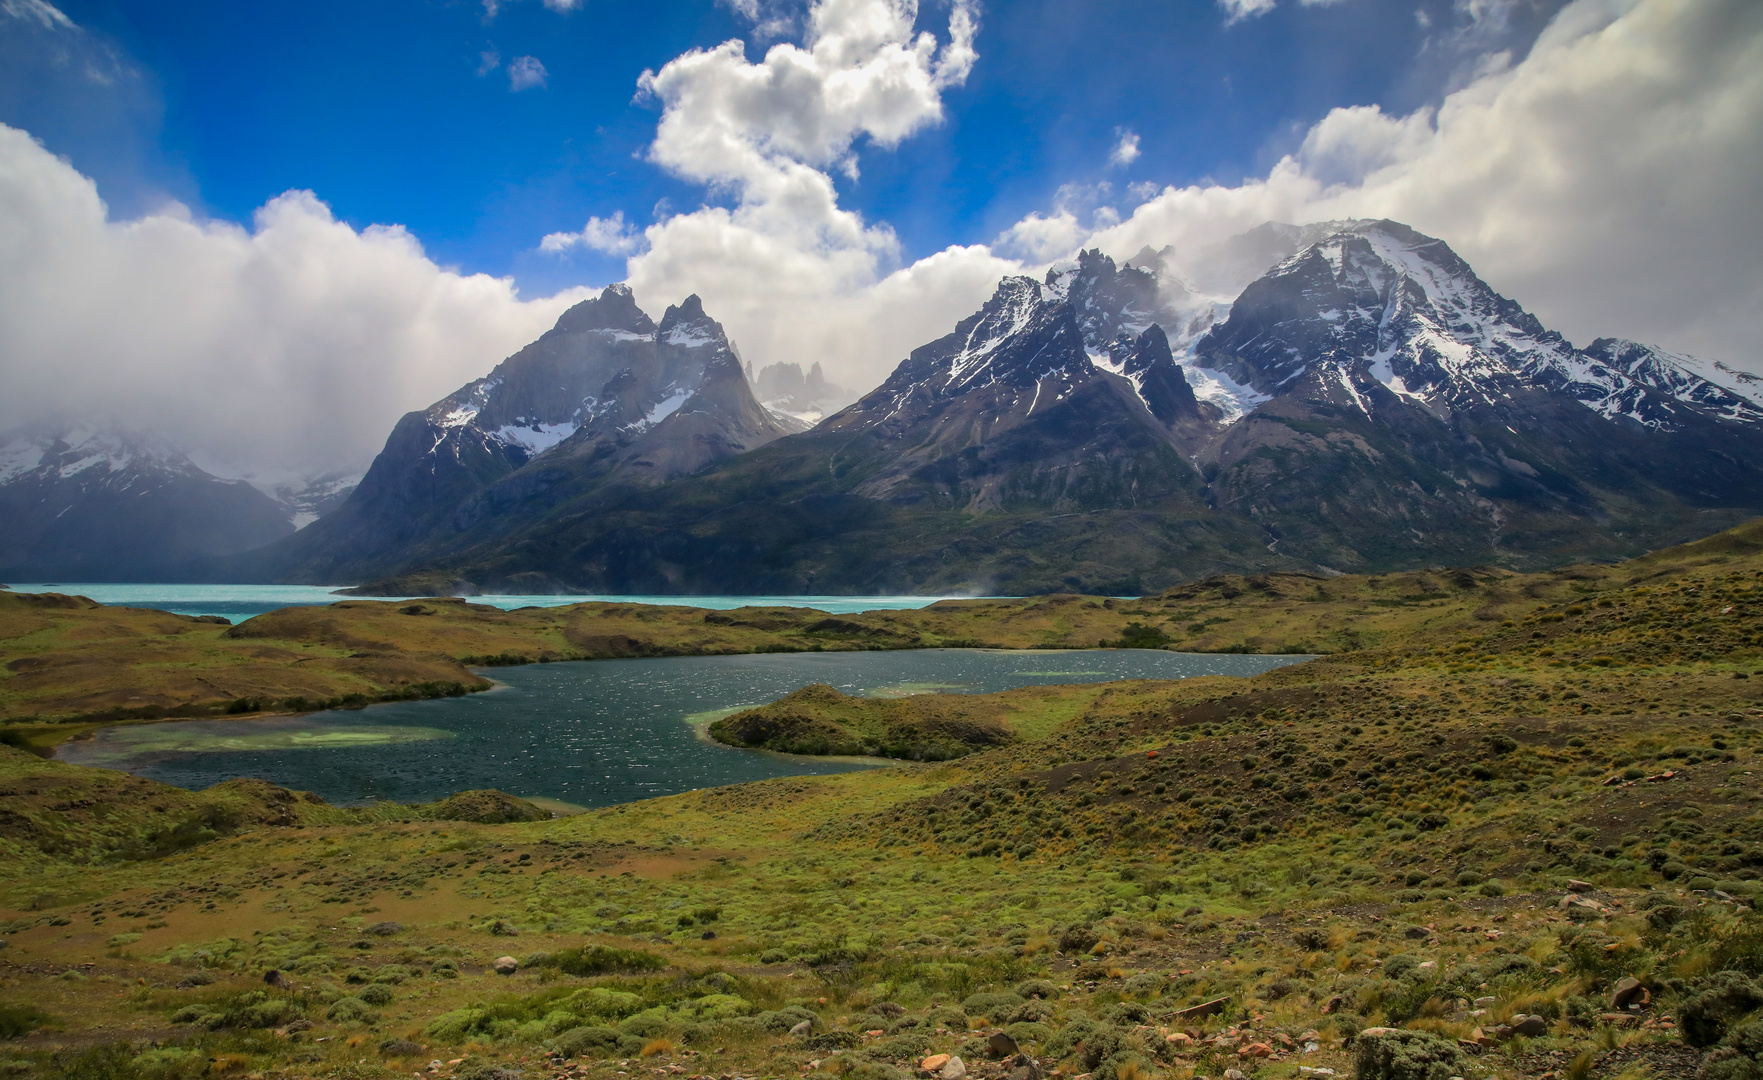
column 1366, row 403
column 97, row 504
column 606, row 401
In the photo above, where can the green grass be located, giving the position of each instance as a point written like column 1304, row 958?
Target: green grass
column 1382, row 836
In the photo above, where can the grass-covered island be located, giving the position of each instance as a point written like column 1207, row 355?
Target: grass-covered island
column 1508, row 827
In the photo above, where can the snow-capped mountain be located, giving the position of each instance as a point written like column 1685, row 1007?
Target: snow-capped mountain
column 1365, row 402
column 1377, row 306
column 606, row 397
column 97, row 504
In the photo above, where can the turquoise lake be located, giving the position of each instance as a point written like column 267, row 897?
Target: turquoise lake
column 240, row 602
column 591, row 733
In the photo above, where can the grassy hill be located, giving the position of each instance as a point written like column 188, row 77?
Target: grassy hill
column 1516, row 832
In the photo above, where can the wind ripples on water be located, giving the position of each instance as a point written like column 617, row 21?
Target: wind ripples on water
column 591, row 733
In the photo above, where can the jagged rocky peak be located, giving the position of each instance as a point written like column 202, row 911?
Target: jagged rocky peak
column 1379, row 303
column 1150, row 364
column 614, row 309
column 1377, row 315
column 685, row 325
column 784, row 389
column 1107, row 301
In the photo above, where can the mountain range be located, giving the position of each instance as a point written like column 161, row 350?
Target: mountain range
column 98, row 505
column 1336, row 397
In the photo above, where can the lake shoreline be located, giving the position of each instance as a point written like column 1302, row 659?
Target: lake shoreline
column 587, row 734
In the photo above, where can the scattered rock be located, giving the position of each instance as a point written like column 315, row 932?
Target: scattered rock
column 1414, row 933
column 1179, row 1040
column 953, row 1070
column 1333, row 1005
column 1254, row 1050
column 1235, row 1074
column 1577, row 907
column 1023, row 1067
column 278, row 979
column 1529, row 1026
column 1204, row 1008
column 804, row 1028
column 1628, row 993
column 505, row 965
column 1575, row 885
column 934, row 1063
column 1002, row 1046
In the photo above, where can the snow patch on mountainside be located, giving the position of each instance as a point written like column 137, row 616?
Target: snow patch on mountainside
column 1231, row 398
column 18, row 456
column 691, row 336
column 535, row 438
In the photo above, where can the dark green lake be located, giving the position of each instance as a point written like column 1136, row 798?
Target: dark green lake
column 591, row 733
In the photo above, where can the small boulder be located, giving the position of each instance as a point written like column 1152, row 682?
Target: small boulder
column 1575, row 885
column 1629, row 993
column 804, row 1028
column 1529, row 1026
column 1204, row 1008
column 1179, row 1040
column 1235, row 1074
column 1254, row 1050
column 278, row 979
column 1023, row 1067
column 953, row 1069
column 505, row 965
column 1001, row 1045
column 1579, row 908
column 934, row 1063
column 1414, row 933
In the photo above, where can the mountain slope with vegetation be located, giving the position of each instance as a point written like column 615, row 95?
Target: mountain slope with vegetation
column 1516, row 847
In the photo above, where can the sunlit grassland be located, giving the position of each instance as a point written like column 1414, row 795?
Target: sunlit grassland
column 1382, row 836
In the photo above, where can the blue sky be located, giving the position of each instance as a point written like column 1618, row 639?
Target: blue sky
column 838, row 196
column 385, row 111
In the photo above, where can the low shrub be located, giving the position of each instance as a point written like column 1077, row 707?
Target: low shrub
column 1387, row 1054
column 1715, row 1004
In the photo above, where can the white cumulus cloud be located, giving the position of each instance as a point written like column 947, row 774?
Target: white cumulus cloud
column 1608, row 181
column 1126, row 149
column 278, row 351
column 526, row 72
column 610, row 235
column 792, row 273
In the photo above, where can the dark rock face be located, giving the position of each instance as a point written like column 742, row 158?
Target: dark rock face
column 1368, row 403
column 99, row 506
column 607, row 399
